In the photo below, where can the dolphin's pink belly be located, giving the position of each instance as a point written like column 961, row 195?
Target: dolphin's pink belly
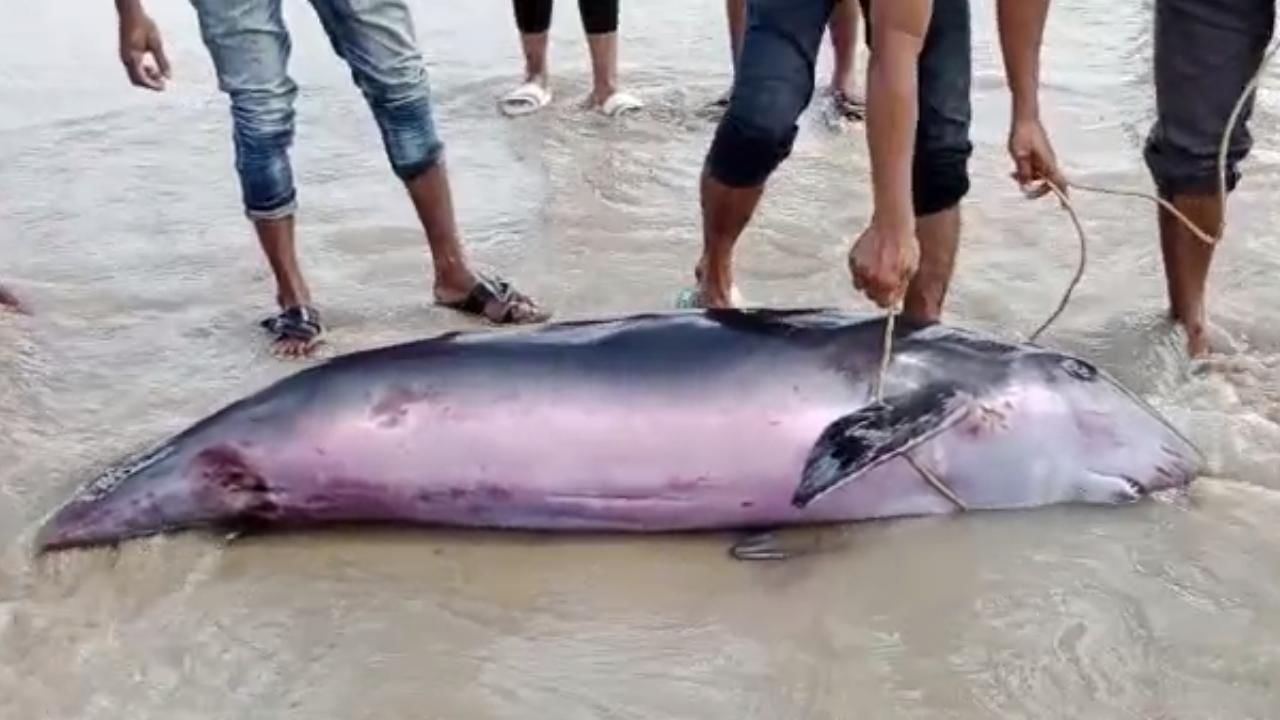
column 558, row 463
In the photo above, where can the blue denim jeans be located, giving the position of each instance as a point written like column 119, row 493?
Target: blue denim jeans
column 774, row 83
column 250, row 47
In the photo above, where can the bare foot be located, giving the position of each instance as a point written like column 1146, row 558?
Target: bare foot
column 713, row 290
column 1197, row 341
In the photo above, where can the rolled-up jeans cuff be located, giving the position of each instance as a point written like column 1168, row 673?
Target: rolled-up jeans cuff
column 288, row 209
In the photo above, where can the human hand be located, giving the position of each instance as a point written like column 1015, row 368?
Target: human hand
column 142, row 51
column 883, row 261
column 1033, row 158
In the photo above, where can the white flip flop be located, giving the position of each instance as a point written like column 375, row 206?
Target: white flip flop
column 525, row 99
column 620, row 103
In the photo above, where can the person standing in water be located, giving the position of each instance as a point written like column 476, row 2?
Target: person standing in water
column 600, row 21
column 843, row 29
column 249, row 45
column 918, row 116
column 1194, row 101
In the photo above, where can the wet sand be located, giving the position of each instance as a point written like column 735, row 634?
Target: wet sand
column 120, row 227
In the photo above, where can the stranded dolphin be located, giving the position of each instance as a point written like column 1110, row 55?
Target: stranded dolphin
column 706, row 419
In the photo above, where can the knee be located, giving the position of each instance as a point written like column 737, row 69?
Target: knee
column 405, row 117
column 263, row 132
column 1187, row 168
column 756, row 134
column 940, row 179
column 262, row 120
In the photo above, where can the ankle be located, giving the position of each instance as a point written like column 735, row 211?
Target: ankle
column 453, row 275
column 920, row 309
column 292, row 297
column 1188, row 315
column 1197, row 337
column 603, row 90
column 714, row 277
column 843, row 84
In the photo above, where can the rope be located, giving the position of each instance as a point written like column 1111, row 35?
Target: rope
column 1061, row 194
column 1195, row 230
column 885, row 353
column 936, row 482
column 1084, row 256
column 1231, row 123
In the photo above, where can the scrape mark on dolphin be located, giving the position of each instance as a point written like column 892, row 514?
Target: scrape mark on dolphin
column 112, row 477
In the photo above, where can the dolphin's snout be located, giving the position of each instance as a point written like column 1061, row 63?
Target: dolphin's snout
column 67, row 528
column 1183, row 462
column 81, row 523
column 133, row 498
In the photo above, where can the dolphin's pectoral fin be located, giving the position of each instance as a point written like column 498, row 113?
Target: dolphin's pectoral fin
column 859, row 441
column 767, row 545
column 759, row 546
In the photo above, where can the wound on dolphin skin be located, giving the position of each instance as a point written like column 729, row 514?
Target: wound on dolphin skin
column 393, row 407
column 988, row 418
column 224, row 468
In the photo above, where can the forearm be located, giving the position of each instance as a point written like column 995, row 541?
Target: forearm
column 898, row 28
column 1021, row 26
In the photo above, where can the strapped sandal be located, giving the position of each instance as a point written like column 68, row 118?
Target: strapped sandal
column 849, row 107
column 497, row 301
column 300, row 322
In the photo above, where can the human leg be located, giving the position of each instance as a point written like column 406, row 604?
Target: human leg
column 843, row 30
column 773, row 85
column 1194, row 101
column 940, row 169
column 376, row 38
column 533, row 20
column 940, row 173
column 249, row 45
column 600, row 23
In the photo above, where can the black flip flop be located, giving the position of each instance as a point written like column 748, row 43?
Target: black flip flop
column 300, row 322
column 497, row 301
column 850, row 108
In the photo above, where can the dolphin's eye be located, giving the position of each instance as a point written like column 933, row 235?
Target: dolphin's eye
column 1079, row 369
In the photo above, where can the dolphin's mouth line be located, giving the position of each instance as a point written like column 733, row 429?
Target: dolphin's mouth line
column 1138, row 488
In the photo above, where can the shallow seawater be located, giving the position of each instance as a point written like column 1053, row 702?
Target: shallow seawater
column 120, row 226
